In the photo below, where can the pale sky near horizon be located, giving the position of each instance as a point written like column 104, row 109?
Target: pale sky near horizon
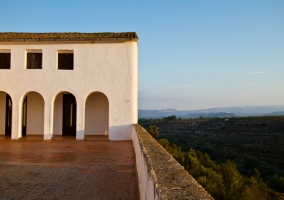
column 192, row 54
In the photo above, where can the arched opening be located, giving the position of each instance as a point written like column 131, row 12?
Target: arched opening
column 33, row 114
column 5, row 114
column 64, row 120
column 96, row 114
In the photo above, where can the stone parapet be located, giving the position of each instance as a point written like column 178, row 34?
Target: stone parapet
column 160, row 176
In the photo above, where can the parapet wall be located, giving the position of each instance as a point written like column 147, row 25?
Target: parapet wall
column 160, row 176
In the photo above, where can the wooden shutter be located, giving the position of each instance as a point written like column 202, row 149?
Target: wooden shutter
column 38, row 60
column 60, row 61
column 30, row 60
column 5, row 60
column 34, row 60
column 65, row 61
column 69, row 61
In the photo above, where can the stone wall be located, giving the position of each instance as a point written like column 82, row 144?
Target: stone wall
column 160, row 176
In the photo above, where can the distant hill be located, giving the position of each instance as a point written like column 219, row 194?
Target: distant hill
column 215, row 112
column 219, row 114
column 281, row 113
column 247, row 110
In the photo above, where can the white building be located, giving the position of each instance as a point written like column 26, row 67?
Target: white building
column 68, row 84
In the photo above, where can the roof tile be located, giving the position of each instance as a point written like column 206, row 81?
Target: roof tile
column 72, row 36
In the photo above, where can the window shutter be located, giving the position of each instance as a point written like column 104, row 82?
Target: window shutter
column 34, row 60
column 2, row 61
column 70, row 60
column 30, row 61
column 65, row 61
column 5, row 60
column 38, row 60
column 8, row 60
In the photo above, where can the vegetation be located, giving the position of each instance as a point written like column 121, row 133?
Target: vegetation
column 237, row 171
column 222, row 181
column 154, row 131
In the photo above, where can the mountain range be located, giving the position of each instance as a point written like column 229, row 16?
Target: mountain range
column 275, row 110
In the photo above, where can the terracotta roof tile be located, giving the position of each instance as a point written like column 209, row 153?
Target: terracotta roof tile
column 72, row 36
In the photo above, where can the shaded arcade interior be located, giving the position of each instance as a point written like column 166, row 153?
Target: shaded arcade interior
column 63, row 115
column 32, row 114
column 96, row 114
column 5, row 114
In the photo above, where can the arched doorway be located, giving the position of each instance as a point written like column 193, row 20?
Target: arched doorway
column 64, row 121
column 33, row 114
column 96, row 114
column 5, row 114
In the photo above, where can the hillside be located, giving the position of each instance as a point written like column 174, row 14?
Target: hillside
column 252, row 142
column 276, row 110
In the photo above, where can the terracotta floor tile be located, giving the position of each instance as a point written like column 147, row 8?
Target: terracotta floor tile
column 67, row 169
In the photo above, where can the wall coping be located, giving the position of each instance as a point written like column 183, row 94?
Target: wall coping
column 171, row 180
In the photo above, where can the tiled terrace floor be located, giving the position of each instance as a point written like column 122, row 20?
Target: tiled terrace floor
column 67, row 169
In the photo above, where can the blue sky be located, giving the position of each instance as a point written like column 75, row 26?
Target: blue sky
column 192, row 54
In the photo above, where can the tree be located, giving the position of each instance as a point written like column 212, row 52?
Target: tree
column 232, row 179
column 252, row 190
column 154, row 131
column 277, row 183
column 165, row 143
column 172, row 118
column 212, row 182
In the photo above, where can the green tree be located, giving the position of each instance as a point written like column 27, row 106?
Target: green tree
column 172, row 118
column 165, row 143
column 212, row 182
column 224, row 181
column 232, row 179
column 277, row 183
column 154, row 131
column 252, row 190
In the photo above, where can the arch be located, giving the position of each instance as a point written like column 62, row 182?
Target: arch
column 64, row 114
column 62, row 92
column 32, row 115
column 96, row 114
column 6, row 105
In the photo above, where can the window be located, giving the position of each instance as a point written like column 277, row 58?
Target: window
column 34, row 59
column 66, row 60
column 5, row 60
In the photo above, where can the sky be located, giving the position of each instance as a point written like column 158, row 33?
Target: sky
column 193, row 54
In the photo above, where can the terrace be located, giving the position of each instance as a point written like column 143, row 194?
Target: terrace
column 93, row 168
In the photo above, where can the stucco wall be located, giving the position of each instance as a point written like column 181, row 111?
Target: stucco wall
column 96, row 115
column 110, row 68
column 35, row 114
column 145, row 179
column 2, row 112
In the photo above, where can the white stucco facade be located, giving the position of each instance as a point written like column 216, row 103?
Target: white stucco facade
column 103, row 82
